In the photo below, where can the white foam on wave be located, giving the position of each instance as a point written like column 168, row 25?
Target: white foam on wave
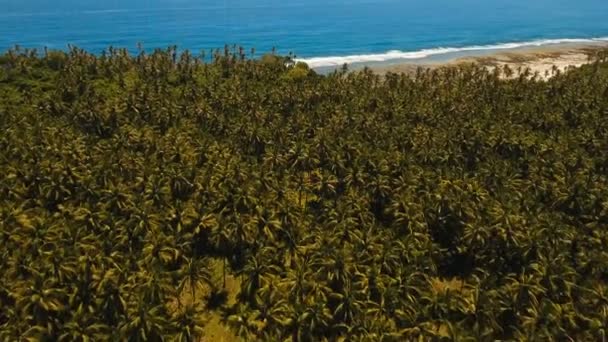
column 317, row 62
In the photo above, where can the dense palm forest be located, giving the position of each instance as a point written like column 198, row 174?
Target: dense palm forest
column 452, row 204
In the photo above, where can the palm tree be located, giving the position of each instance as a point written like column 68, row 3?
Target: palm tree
column 110, row 299
column 38, row 300
column 155, row 287
column 266, row 224
column 144, row 322
column 188, row 323
column 256, row 271
column 83, row 327
column 243, row 322
column 315, row 321
column 194, row 274
column 347, row 306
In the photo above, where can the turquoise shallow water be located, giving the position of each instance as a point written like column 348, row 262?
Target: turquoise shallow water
column 323, row 33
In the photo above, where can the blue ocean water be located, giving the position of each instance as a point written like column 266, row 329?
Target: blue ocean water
column 330, row 29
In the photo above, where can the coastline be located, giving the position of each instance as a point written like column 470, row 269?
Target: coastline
column 538, row 57
column 541, row 60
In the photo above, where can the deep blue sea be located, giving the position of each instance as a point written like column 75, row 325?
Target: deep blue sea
column 323, row 32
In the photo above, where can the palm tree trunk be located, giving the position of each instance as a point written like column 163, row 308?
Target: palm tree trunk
column 300, row 189
column 294, row 336
column 224, row 274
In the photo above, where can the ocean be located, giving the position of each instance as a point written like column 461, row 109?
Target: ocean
column 322, row 33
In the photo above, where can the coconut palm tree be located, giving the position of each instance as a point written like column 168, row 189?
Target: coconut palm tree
column 144, row 322
column 188, row 323
column 193, row 274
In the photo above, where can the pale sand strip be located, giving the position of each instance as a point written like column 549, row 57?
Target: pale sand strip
column 541, row 60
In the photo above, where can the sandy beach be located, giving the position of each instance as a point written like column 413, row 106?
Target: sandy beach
column 541, row 60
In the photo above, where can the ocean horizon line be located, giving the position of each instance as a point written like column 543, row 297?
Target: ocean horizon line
column 333, row 61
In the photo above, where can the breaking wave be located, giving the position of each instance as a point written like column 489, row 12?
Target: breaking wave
column 317, row 62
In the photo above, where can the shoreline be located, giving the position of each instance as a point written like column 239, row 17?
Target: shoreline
column 539, row 58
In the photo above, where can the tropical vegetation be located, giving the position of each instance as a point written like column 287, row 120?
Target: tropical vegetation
column 451, row 204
